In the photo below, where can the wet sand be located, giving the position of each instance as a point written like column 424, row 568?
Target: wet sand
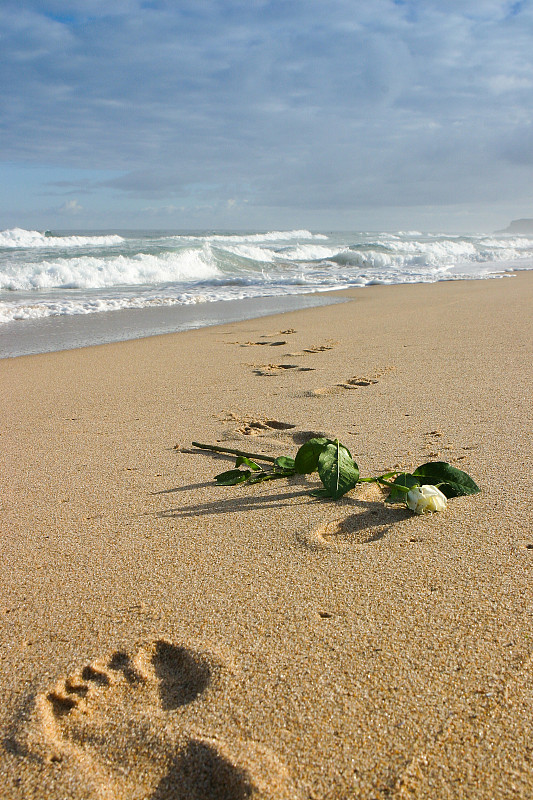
column 163, row 637
column 50, row 334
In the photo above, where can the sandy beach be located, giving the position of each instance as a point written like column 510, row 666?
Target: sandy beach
column 163, row 637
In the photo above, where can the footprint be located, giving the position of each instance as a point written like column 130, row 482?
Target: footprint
column 355, row 382
column 370, row 522
column 322, row 392
column 162, row 678
column 320, row 348
column 276, row 343
column 264, row 344
column 350, row 383
column 435, row 446
column 286, row 332
column 255, row 427
column 357, row 529
column 273, row 369
column 314, row 348
column 183, row 674
column 199, row 771
column 120, row 729
column 248, row 425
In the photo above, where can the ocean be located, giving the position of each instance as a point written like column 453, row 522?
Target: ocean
column 71, row 289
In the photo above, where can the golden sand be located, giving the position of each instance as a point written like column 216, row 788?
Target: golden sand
column 163, row 637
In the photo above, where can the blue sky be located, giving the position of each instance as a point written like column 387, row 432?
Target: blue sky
column 337, row 114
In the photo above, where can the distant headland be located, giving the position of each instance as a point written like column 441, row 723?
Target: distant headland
column 519, row 226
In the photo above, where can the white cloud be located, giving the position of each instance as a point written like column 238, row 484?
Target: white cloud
column 509, row 83
column 71, row 207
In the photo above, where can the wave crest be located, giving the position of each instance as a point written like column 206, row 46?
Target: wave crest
column 91, row 272
column 19, row 237
column 271, row 236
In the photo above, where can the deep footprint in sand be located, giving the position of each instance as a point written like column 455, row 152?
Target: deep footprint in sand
column 320, row 348
column 256, row 427
column 276, row 369
column 173, row 676
column 108, row 721
column 370, row 522
column 116, row 731
column 339, row 534
column 276, row 343
column 355, row 382
column 264, row 344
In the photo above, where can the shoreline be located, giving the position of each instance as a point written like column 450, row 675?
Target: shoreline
column 160, row 634
column 67, row 332
column 55, row 333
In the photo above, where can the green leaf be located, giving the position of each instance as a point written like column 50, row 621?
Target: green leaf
column 451, row 481
column 403, row 479
column 232, row 477
column 320, row 493
column 249, row 463
column 306, row 460
column 338, row 471
column 284, row 462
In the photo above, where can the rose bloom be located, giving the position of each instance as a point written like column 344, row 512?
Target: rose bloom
column 424, row 499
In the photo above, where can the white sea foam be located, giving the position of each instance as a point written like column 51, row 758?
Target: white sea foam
column 309, row 252
column 10, row 312
column 271, row 236
column 91, row 272
column 299, row 252
column 18, row 237
column 24, row 310
column 434, row 252
column 250, row 251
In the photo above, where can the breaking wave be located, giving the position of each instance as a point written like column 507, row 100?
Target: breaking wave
column 18, row 237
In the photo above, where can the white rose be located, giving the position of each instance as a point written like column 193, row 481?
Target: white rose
column 423, row 499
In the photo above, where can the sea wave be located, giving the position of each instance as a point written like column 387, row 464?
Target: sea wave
column 19, row 237
column 271, row 236
column 309, row 252
column 245, row 264
column 92, row 272
column 439, row 255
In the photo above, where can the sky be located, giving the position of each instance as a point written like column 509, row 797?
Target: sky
column 261, row 114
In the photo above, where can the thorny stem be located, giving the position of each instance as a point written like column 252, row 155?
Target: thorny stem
column 399, row 486
column 378, row 478
column 217, row 449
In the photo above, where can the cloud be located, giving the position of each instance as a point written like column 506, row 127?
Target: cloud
column 71, row 207
column 300, row 103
